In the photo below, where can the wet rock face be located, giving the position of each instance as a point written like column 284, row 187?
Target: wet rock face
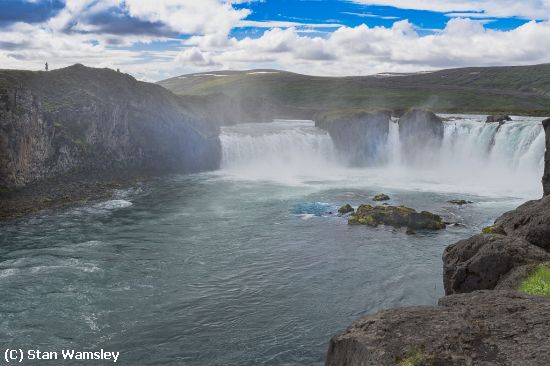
column 480, row 262
column 420, row 133
column 359, row 137
column 546, row 176
column 480, row 328
column 397, row 217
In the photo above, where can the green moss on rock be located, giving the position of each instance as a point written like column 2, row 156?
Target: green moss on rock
column 538, row 283
column 495, row 229
column 396, row 216
column 413, row 358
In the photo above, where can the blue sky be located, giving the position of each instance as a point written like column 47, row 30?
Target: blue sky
column 156, row 39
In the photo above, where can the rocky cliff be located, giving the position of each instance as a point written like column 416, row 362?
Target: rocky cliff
column 496, row 311
column 420, row 133
column 93, row 122
column 359, row 136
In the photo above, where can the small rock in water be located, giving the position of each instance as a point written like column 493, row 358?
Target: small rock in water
column 381, row 197
column 501, row 118
column 459, row 202
column 345, row 209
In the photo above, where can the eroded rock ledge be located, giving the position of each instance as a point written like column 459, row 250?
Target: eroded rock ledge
column 483, row 320
column 481, row 328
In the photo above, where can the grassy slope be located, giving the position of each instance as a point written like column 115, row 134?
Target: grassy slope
column 513, row 90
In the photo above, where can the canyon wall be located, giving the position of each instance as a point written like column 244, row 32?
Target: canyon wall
column 89, row 121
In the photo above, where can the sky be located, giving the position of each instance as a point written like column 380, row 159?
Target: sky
column 157, row 39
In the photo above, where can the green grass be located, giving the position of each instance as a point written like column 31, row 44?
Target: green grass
column 413, row 358
column 538, row 283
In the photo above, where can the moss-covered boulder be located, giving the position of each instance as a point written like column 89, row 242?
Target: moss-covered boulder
column 396, row 216
column 381, row 197
column 345, row 209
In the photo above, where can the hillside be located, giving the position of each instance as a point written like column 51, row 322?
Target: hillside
column 523, row 90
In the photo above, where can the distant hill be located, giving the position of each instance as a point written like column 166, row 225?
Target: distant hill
column 523, row 90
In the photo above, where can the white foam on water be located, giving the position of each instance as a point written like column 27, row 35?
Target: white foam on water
column 113, row 204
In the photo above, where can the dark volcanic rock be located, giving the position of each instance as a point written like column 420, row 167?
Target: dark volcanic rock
column 360, row 136
column 478, row 263
column 492, row 328
column 381, row 197
column 546, row 176
column 498, row 118
column 516, row 276
column 530, row 221
column 345, row 209
column 420, row 133
column 397, row 217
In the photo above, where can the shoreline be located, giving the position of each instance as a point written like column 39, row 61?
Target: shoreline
column 64, row 191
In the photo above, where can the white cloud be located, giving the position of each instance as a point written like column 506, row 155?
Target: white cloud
column 363, row 50
column 189, row 16
column 529, row 9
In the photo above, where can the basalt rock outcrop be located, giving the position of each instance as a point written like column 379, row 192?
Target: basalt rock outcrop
column 484, row 319
column 359, row 136
column 87, row 121
column 480, row 262
column 396, row 216
column 420, row 134
column 482, row 328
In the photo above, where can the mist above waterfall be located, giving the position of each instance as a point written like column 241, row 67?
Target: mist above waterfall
column 473, row 157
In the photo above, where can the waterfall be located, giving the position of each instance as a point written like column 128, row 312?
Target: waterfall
column 394, row 145
column 281, row 150
column 474, row 157
column 508, row 157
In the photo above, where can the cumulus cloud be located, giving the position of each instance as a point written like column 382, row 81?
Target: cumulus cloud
column 368, row 50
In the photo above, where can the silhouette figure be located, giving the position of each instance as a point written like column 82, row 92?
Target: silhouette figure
column 46, row 66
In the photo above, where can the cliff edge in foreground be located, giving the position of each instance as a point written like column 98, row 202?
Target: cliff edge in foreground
column 492, row 314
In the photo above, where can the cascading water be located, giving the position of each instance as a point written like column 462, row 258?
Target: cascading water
column 474, row 157
column 394, row 145
column 281, row 151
